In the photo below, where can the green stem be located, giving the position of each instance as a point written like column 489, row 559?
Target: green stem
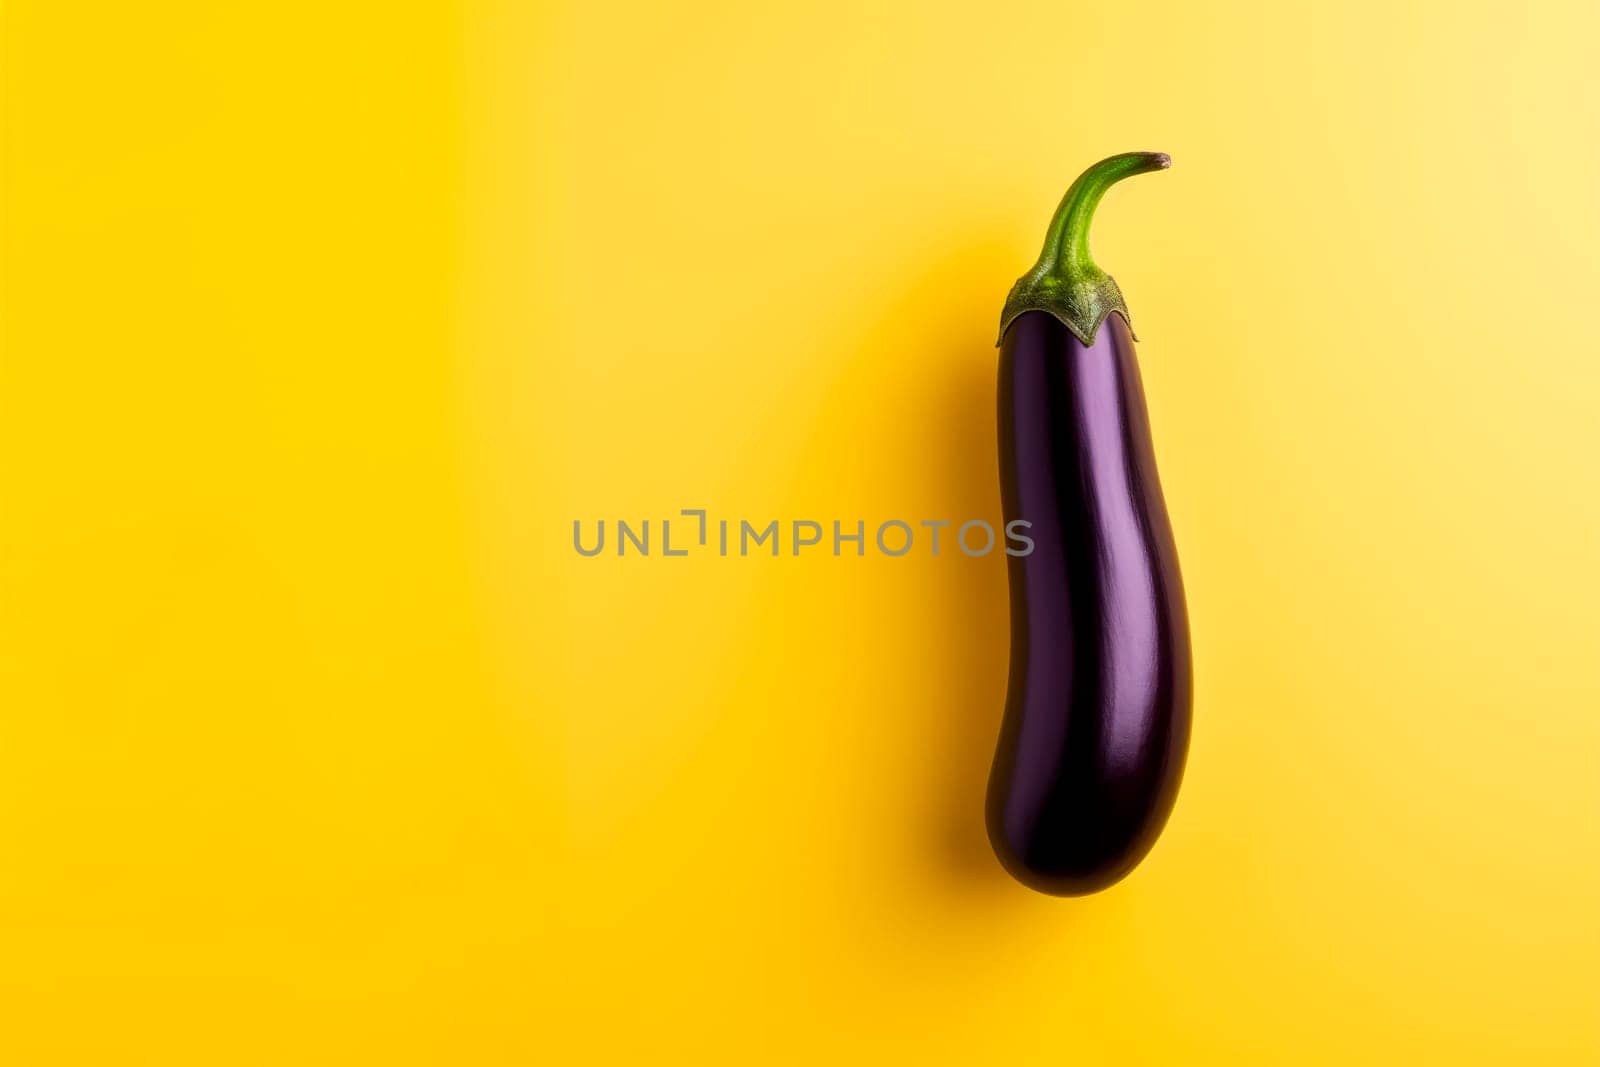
column 1065, row 282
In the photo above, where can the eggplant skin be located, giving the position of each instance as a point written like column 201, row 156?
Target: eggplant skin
column 1098, row 705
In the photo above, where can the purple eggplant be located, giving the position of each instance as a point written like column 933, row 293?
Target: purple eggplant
column 1097, row 713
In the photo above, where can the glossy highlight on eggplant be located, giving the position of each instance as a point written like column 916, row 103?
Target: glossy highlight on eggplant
column 1096, row 725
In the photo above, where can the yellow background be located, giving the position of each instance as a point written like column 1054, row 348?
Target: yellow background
column 320, row 744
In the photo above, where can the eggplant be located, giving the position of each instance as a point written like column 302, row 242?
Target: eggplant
column 1096, row 726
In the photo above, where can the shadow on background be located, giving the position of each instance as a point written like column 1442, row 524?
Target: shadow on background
column 926, row 345
column 944, row 321
column 971, row 660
